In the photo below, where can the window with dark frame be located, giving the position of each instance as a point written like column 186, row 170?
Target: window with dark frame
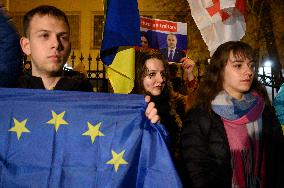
column 97, row 31
column 74, row 22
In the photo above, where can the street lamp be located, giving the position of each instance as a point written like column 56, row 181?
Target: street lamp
column 266, row 69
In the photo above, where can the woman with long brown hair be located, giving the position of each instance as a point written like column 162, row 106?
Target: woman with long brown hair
column 152, row 78
column 232, row 138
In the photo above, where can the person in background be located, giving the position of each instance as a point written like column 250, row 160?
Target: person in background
column 232, row 138
column 172, row 53
column 152, row 78
column 144, row 41
column 191, row 81
column 10, row 52
column 176, row 78
column 184, row 83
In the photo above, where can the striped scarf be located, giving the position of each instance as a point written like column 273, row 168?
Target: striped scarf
column 243, row 124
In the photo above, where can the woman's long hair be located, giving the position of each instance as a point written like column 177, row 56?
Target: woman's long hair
column 213, row 80
column 141, row 70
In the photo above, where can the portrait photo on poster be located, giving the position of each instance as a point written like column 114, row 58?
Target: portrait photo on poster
column 167, row 36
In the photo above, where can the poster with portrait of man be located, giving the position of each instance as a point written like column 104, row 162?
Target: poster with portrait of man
column 167, row 36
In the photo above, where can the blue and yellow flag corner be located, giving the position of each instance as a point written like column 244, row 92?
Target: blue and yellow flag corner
column 121, row 34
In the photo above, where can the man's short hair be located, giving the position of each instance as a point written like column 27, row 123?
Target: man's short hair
column 42, row 11
column 172, row 34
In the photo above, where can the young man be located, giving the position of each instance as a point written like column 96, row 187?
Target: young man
column 47, row 41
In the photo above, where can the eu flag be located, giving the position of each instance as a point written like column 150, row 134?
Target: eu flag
column 75, row 139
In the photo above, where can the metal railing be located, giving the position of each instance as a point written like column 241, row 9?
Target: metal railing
column 100, row 83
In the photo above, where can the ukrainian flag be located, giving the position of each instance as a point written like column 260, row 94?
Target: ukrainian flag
column 121, row 33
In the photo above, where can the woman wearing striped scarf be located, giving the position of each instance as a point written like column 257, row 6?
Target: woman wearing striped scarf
column 232, row 137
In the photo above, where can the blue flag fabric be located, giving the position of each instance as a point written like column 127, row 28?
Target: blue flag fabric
column 122, row 28
column 10, row 53
column 75, row 139
column 279, row 105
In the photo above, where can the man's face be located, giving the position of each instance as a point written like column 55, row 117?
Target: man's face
column 172, row 41
column 48, row 44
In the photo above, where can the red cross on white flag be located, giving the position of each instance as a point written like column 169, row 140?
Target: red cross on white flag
column 219, row 21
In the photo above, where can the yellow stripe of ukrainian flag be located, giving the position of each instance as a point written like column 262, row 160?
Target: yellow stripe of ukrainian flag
column 121, row 72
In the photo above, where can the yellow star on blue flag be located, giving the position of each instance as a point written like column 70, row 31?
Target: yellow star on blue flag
column 93, row 131
column 19, row 128
column 117, row 159
column 57, row 120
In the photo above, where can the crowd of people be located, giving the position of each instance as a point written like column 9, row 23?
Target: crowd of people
column 224, row 132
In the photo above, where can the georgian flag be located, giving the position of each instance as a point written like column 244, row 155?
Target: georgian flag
column 219, row 21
